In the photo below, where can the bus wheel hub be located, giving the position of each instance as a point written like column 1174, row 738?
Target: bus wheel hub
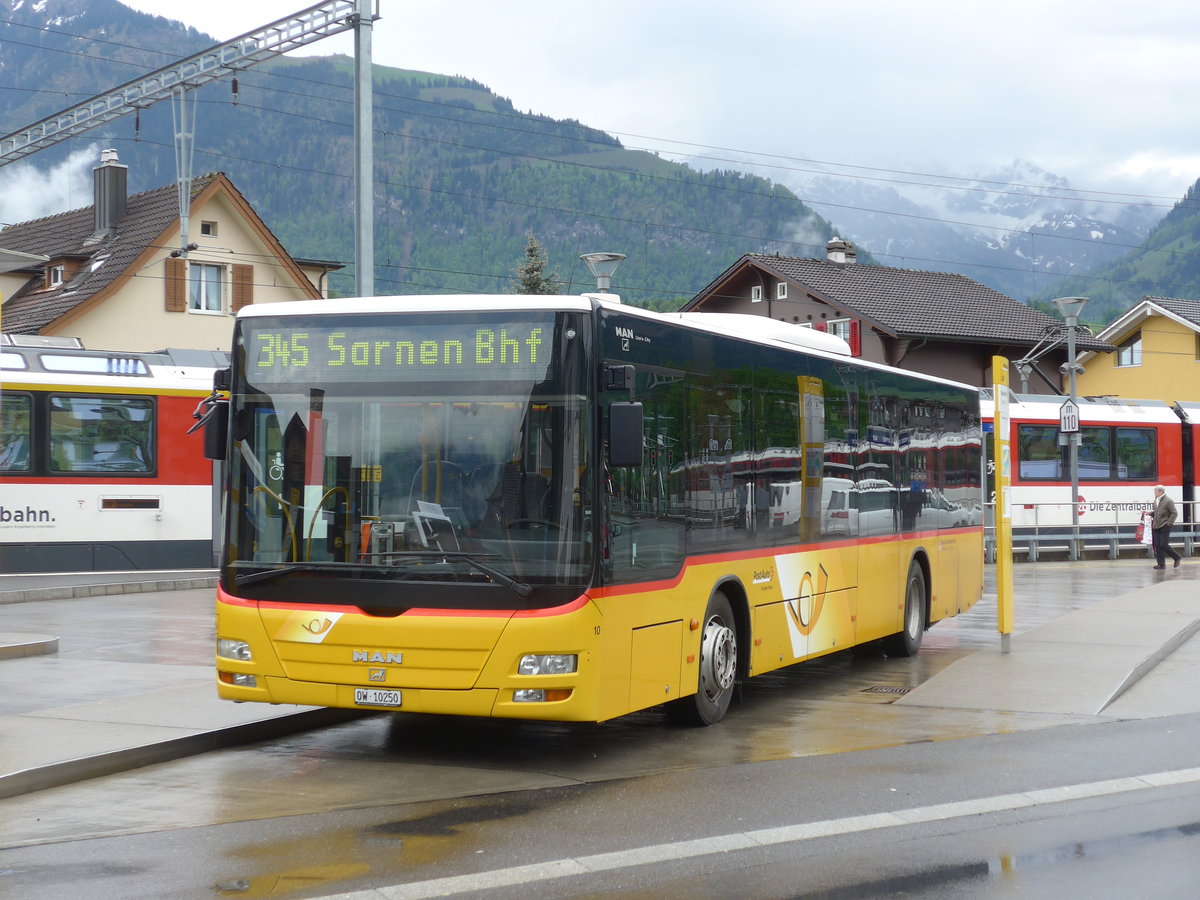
column 718, row 657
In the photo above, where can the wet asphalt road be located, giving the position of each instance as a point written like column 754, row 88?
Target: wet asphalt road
column 310, row 814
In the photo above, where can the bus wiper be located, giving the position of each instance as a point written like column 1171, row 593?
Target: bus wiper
column 264, row 575
column 520, row 588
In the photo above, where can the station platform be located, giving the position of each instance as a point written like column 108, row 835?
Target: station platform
column 102, row 675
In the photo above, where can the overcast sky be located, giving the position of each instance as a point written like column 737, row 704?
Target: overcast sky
column 1104, row 93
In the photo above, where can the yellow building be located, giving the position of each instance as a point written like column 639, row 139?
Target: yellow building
column 1157, row 357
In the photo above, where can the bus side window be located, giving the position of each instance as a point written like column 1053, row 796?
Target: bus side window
column 644, row 501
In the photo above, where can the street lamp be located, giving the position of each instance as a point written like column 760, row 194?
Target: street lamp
column 602, row 266
column 1071, row 307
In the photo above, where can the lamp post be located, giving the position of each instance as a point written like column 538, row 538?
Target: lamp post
column 1071, row 307
column 602, row 266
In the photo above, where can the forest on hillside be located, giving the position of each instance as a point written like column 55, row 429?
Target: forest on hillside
column 462, row 178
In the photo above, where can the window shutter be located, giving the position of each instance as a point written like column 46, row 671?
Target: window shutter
column 243, row 286
column 176, row 285
column 821, row 326
column 855, row 338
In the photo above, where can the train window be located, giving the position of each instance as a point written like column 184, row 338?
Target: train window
column 100, row 365
column 91, row 433
column 1038, row 453
column 15, row 434
column 1095, row 453
column 1106, row 453
column 1137, row 454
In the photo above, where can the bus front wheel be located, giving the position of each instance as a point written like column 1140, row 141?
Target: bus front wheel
column 718, row 668
column 908, row 641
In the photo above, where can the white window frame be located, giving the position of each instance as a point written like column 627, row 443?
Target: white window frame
column 200, row 288
column 56, row 276
column 840, row 328
column 208, row 229
column 756, row 293
column 781, row 290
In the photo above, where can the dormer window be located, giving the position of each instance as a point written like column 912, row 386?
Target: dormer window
column 1129, row 351
column 55, row 276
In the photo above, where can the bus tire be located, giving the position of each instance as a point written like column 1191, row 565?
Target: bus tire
column 718, row 668
column 908, row 641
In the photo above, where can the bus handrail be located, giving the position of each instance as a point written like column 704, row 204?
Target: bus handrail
column 286, row 509
column 320, row 509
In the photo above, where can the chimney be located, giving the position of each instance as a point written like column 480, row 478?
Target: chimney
column 110, row 180
column 840, row 251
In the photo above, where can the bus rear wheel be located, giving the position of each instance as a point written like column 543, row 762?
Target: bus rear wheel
column 908, row 641
column 718, row 668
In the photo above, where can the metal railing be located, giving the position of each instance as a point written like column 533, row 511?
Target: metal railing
column 1109, row 533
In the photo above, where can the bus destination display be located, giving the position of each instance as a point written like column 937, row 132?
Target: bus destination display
column 447, row 351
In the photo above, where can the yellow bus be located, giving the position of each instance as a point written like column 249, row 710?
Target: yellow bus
column 566, row 508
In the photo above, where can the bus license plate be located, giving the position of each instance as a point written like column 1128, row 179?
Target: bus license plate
column 376, row 697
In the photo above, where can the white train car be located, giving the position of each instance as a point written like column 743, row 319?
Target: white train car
column 1126, row 448
column 97, row 471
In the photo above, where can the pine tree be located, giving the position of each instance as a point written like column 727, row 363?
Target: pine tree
column 531, row 275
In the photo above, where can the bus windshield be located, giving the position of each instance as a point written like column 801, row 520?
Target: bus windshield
column 436, row 460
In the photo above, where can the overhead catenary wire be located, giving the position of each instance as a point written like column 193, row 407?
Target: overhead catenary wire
column 969, row 183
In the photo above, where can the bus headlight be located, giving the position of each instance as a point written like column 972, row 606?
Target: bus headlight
column 548, row 664
column 230, row 649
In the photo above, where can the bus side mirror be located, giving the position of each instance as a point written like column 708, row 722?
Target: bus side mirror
column 212, row 414
column 626, row 434
column 216, row 430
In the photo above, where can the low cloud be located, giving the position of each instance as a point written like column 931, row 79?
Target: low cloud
column 27, row 192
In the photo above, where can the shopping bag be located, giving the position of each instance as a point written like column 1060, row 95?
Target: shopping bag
column 1145, row 532
column 1141, row 534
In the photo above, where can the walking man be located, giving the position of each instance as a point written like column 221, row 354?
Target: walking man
column 1164, row 518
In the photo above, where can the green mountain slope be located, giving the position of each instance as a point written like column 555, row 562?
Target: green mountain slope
column 1166, row 265
column 462, row 178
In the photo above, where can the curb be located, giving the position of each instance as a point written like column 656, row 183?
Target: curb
column 16, row 645
column 1147, row 665
column 73, row 591
column 57, row 774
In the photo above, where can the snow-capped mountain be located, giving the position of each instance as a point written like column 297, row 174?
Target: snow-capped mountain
column 1014, row 229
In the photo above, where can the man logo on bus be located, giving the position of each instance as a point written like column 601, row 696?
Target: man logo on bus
column 805, row 610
